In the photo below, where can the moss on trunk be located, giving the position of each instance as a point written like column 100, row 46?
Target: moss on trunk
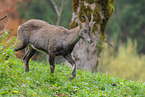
column 102, row 10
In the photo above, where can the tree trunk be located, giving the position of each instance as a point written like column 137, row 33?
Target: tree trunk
column 87, row 55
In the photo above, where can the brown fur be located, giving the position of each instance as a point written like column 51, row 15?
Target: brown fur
column 51, row 39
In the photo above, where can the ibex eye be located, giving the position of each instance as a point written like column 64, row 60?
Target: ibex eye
column 85, row 31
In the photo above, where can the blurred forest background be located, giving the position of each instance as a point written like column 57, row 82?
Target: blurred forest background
column 125, row 30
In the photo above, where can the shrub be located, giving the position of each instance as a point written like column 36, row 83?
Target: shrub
column 126, row 63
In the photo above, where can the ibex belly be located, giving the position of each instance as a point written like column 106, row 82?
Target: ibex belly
column 53, row 46
column 39, row 45
column 38, row 49
column 56, row 47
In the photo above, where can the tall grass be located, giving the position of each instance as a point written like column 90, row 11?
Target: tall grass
column 126, row 63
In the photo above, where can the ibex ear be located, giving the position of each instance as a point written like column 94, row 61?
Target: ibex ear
column 79, row 22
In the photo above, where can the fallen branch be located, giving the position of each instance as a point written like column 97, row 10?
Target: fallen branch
column 5, row 27
column 4, row 17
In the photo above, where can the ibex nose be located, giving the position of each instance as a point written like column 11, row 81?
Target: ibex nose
column 89, row 41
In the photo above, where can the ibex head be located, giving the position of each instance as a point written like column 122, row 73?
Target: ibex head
column 86, row 29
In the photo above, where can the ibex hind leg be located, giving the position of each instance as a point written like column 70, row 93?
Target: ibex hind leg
column 72, row 62
column 27, row 57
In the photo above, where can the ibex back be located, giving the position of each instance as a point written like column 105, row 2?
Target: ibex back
column 51, row 39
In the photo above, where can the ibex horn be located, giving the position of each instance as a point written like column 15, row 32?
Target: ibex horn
column 91, row 22
column 87, row 20
column 78, row 21
column 91, row 18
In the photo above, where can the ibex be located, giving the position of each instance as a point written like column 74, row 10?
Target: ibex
column 51, row 39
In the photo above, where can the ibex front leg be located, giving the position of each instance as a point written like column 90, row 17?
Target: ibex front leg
column 72, row 62
column 51, row 62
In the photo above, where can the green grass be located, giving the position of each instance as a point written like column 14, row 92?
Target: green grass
column 38, row 82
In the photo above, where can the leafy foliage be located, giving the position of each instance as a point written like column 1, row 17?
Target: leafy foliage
column 128, row 21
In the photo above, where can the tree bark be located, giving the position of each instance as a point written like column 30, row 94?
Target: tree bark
column 86, row 55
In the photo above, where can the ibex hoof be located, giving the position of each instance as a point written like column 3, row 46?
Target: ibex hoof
column 52, row 74
column 72, row 77
column 27, row 70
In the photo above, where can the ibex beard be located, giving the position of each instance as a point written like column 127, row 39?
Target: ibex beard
column 51, row 39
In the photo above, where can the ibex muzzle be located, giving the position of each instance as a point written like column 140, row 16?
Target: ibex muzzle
column 51, row 39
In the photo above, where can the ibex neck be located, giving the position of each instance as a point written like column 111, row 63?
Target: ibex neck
column 73, row 37
column 75, row 34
